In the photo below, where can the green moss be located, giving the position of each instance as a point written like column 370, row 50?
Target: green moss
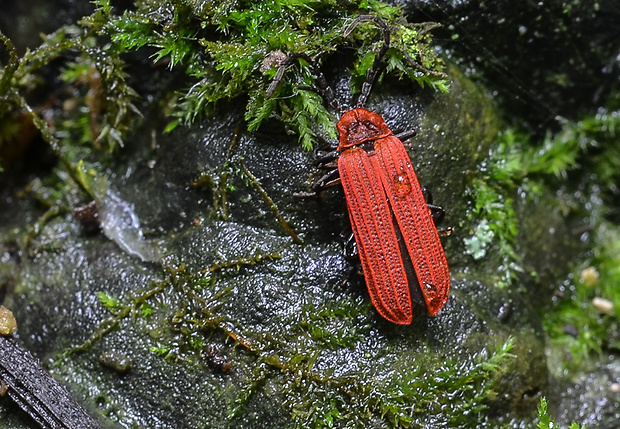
column 253, row 181
column 104, row 109
column 586, row 320
column 241, row 262
column 493, row 205
column 517, row 165
column 110, row 302
column 545, row 421
column 412, row 389
column 582, row 162
column 105, row 98
column 397, row 387
column 409, row 393
column 325, row 328
column 229, row 50
column 119, row 309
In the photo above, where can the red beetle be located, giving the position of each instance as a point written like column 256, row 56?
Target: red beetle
column 397, row 241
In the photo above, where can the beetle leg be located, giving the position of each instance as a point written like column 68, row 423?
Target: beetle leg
column 405, row 135
column 329, row 179
column 437, row 212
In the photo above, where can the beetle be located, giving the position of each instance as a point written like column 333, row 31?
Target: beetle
column 398, row 244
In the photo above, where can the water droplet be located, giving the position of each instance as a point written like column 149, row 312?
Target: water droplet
column 402, row 185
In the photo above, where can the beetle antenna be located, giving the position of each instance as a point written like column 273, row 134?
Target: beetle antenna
column 322, row 87
column 377, row 65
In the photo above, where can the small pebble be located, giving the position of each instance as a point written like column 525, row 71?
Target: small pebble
column 589, row 277
column 8, row 324
column 115, row 360
column 603, row 305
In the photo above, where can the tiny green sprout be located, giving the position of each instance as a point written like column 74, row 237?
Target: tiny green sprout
column 108, row 301
column 146, row 309
column 545, row 421
column 160, row 350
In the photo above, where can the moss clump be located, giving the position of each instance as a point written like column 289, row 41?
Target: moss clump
column 545, row 421
column 586, row 320
column 518, row 165
column 582, row 162
column 226, row 49
column 231, row 49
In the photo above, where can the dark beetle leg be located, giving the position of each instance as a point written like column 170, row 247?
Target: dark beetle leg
column 405, row 135
column 331, row 178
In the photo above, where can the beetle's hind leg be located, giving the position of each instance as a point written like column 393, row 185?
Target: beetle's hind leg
column 437, row 212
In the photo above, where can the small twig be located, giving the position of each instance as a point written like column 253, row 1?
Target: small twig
column 36, row 392
column 272, row 205
column 221, row 207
